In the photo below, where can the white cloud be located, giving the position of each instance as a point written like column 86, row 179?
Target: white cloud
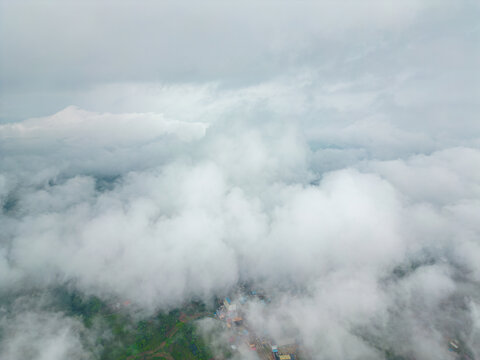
column 326, row 151
column 43, row 336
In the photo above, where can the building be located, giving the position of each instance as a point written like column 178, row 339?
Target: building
column 229, row 305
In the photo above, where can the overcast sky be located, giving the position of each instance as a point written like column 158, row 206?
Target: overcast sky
column 163, row 151
column 58, row 53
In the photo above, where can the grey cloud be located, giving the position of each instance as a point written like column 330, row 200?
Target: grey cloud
column 327, row 153
column 54, row 53
column 42, row 335
column 237, row 210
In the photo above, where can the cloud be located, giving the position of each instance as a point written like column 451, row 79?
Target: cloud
column 74, row 140
column 42, row 335
column 324, row 152
column 246, row 207
column 234, row 44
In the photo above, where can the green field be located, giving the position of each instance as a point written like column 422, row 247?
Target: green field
column 170, row 335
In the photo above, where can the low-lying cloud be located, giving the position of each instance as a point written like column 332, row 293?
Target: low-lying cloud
column 327, row 154
column 219, row 205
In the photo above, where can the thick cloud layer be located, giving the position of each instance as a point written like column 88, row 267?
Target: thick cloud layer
column 57, row 53
column 243, row 205
column 331, row 161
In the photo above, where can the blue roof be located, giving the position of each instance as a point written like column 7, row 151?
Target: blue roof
column 228, row 300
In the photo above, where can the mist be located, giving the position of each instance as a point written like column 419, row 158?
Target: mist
column 323, row 153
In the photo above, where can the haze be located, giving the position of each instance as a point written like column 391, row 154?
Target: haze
column 167, row 151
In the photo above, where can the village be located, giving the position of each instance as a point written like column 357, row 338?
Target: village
column 231, row 313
